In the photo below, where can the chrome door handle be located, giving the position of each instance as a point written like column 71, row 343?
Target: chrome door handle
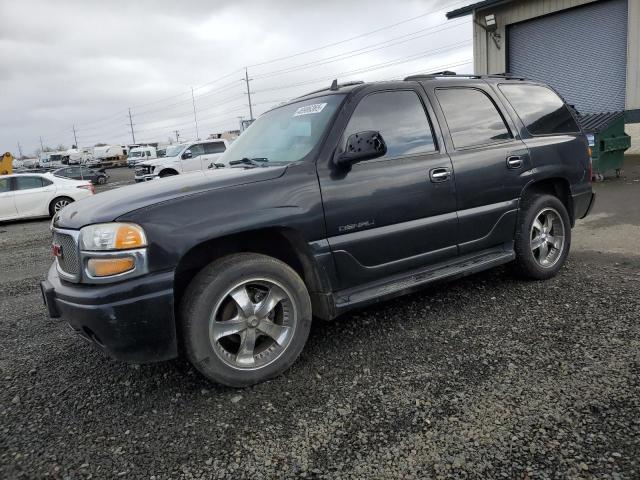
column 514, row 161
column 438, row 175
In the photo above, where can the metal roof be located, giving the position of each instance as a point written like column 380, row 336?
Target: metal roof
column 468, row 10
column 594, row 122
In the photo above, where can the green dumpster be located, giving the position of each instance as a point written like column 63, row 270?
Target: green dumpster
column 608, row 142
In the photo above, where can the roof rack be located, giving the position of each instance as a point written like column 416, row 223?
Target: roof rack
column 447, row 74
column 334, row 87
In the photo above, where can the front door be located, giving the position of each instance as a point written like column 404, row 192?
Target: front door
column 192, row 163
column 394, row 213
column 7, row 203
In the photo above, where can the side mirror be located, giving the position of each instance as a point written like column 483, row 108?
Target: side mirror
column 363, row 146
column 186, row 154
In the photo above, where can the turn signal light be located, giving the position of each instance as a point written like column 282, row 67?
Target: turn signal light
column 105, row 267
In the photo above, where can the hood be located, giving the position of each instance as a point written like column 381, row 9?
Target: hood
column 112, row 204
column 155, row 162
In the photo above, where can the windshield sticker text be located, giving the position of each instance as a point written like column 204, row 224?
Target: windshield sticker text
column 309, row 109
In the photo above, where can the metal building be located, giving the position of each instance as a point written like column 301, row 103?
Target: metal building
column 589, row 50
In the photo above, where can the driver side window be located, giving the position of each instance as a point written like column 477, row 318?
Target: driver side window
column 196, row 150
column 399, row 117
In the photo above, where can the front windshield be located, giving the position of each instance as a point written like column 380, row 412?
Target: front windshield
column 173, row 151
column 135, row 154
column 285, row 134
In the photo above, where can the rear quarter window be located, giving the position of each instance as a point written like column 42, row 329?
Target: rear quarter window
column 541, row 110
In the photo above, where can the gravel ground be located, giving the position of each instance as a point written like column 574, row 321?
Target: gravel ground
column 488, row 376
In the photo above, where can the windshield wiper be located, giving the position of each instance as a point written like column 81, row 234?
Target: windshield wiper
column 253, row 162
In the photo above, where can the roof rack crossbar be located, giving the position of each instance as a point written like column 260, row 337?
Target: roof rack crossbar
column 447, row 74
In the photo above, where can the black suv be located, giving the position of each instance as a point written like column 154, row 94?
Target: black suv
column 344, row 197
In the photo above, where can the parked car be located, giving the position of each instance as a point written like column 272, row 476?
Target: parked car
column 108, row 156
column 183, row 158
column 97, row 177
column 38, row 195
column 347, row 196
column 141, row 154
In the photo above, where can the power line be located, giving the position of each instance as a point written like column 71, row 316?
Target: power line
column 340, row 42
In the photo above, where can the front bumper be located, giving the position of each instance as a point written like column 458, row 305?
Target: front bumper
column 132, row 321
column 145, row 178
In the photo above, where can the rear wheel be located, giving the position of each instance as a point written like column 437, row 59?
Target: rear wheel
column 543, row 236
column 58, row 204
column 102, row 180
column 245, row 318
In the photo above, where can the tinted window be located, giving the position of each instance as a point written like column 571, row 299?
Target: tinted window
column 26, row 183
column 540, row 109
column 196, row 150
column 214, row 147
column 399, row 117
column 5, row 184
column 472, row 117
column 46, row 182
column 73, row 171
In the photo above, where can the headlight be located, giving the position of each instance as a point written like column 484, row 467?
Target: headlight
column 112, row 236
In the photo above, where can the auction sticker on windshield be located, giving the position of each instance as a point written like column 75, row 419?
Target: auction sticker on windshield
column 309, row 109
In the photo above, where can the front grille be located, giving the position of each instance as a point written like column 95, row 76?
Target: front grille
column 68, row 260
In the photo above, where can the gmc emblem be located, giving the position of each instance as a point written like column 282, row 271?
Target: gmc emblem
column 56, row 250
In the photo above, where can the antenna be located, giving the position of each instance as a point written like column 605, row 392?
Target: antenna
column 334, row 84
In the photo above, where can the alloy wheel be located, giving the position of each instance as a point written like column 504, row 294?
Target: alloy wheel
column 547, row 237
column 60, row 204
column 253, row 324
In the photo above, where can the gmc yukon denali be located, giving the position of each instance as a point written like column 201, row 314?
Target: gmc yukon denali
column 346, row 196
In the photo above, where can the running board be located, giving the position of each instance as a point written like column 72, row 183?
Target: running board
column 405, row 283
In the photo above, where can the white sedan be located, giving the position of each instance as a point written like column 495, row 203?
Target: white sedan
column 38, row 195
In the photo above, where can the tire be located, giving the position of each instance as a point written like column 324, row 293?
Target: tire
column 168, row 173
column 543, row 236
column 102, row 180
column 58, row 204
column 222, row 351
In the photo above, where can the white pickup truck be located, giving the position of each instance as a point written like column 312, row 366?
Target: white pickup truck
column 182, row 158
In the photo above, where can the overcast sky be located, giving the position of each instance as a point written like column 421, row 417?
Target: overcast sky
column 85, row 62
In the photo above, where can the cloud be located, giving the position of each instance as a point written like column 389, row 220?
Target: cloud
column 85, row 63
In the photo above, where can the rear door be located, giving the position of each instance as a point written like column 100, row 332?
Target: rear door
column 490, row 162
column 32, row 194
column 7, row 202
column 390, row 215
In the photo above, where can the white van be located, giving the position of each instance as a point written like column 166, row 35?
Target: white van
column 183, row 158
column 141, row 154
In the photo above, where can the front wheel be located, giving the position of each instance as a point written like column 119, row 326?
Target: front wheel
column 543, row 236
column 245, row 319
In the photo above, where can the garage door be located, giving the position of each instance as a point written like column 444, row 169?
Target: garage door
column 581, row 52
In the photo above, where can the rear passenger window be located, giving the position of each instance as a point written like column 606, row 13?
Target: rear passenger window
column 472, row 117
column 4, row 184
column 399, row 117
column 214, row 147
column 540, row 109
column 27, row 183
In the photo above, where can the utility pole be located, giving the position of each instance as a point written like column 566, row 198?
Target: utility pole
column 41, row 146
column 195, row 118
column 75, row 138
column 20, row 149
column 246, row 79
column 133, row 136
column 177, row 135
